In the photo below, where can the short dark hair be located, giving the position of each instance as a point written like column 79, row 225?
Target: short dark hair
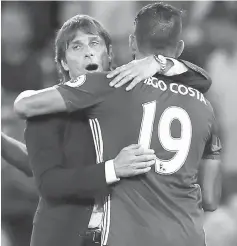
column 67, row 33
column 158, row 26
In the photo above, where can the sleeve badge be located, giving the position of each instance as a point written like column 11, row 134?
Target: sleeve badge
column 79, row 81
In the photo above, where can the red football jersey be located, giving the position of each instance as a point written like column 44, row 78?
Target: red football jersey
column 164, row 206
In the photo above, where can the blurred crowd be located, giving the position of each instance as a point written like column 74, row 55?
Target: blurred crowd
column 28, row 32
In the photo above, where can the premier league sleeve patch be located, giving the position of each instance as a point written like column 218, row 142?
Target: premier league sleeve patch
column 79, row 81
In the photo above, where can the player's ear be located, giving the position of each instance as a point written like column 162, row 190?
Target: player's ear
column 179, row 48
column 64, row 65
column 133, row 44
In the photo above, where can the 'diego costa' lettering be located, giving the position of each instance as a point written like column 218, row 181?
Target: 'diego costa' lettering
column 175, row 88
column 184, row 90
column 156, row 83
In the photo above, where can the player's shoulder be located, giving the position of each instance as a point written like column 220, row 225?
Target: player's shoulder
column 97, row 76
column 96, row 82
column 210, row 110
column 209, row 106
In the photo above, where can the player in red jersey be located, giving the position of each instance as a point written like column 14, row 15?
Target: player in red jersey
column 164, row 206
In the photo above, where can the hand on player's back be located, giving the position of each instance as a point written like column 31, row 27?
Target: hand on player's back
column 134, row 72
column 133, row 160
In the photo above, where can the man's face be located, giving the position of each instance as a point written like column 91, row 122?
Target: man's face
column 86, row 53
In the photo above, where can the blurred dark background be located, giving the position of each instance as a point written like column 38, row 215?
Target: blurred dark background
column 28, row 32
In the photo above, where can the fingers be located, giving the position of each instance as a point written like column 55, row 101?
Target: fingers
column 125, row 80
column 144, row 158
column 145, row 164
column 132, row 147
column 135, row 81
column 141, row 171
column 116, row 71
column 119, row 77
column 142, row 151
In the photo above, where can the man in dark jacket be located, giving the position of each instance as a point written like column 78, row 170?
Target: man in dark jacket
column 62, row 156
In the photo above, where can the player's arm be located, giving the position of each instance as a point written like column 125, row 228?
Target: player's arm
column 210, row 180
column 210, row 173
column 32, row 103
column 62, row 97
column 15, row 153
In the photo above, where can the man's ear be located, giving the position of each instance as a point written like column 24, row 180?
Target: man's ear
column 64, row 65
column 110, row 53
column 133, row 44
column 179, row 48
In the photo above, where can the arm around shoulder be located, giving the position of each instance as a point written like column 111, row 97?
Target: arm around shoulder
column 32, row 103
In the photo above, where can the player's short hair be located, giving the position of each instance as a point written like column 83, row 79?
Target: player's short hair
column 68, row 32
column 158, row 26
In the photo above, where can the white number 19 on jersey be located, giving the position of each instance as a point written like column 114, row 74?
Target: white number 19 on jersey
column 179, row 145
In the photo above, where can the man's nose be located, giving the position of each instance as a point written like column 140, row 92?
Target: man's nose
column 89, row 51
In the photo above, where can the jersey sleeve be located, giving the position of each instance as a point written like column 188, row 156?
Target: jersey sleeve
column 213, row 146
column 86, row 91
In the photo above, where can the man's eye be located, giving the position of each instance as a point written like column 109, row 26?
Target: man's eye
column 77, row 47
column 95, row 43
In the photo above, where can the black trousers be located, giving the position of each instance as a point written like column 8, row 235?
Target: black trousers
column 89, row 242
column 91, row 238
